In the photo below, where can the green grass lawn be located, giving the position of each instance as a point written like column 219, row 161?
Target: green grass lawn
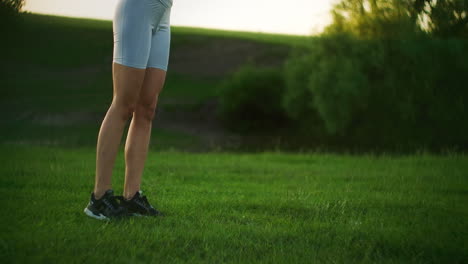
column 239, row 208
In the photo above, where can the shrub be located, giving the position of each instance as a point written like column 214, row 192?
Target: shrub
column 403, row 92
column 297, row 100
column 250, row 100
column 327, row 82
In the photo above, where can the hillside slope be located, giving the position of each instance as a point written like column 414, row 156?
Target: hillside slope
column 73, row 42
column 57, row 76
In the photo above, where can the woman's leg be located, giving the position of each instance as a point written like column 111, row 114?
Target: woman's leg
column 139, row 133
column 136, row 146
column 127, row 85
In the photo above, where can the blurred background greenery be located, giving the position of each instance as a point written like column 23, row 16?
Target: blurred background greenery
column 383, row 76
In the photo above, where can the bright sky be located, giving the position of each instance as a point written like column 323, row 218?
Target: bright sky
column 299, row 17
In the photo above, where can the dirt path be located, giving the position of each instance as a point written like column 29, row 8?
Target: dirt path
column 219, row 56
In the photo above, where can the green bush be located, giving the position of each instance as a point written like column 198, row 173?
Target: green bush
column 250, row 100
column 297, row 101
column 430, row 89
column 404, row 92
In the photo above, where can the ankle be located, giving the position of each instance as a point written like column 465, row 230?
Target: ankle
column 98, row 194
column 129, row 195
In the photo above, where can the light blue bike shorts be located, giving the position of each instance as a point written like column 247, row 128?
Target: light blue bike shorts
column 142, row 33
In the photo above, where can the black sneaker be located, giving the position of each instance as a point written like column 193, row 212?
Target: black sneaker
column 139, row 205
column 105, row 208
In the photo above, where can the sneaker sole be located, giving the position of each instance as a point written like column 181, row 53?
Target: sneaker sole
column 91, row 214
column 142, row 215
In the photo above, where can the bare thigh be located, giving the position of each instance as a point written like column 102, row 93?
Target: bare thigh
column 128, row 82
column 152, row 86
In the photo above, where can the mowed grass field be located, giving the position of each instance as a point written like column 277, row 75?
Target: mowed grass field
column 220, row 206
column 239, row 208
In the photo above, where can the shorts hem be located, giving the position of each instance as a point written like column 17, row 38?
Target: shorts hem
column 164, row 68
column 132, row 65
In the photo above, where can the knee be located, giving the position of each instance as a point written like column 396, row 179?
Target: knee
column 125, row 110
column 145, row 112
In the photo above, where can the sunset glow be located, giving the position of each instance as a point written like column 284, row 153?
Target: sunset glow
column 299, row 17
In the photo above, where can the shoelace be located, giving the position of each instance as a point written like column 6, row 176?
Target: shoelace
column 111, row 202
column 143, row 201
column 146, row 201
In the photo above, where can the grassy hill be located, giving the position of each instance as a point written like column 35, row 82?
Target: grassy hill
column 221, row 206
column 58, row 69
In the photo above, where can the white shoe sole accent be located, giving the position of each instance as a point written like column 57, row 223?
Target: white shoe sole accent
column 98, row 217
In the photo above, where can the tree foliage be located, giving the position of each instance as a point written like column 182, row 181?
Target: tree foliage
column 394, row 18
column 447, row 18
column 385, row 73
column 9, row 10
column 12, row 5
